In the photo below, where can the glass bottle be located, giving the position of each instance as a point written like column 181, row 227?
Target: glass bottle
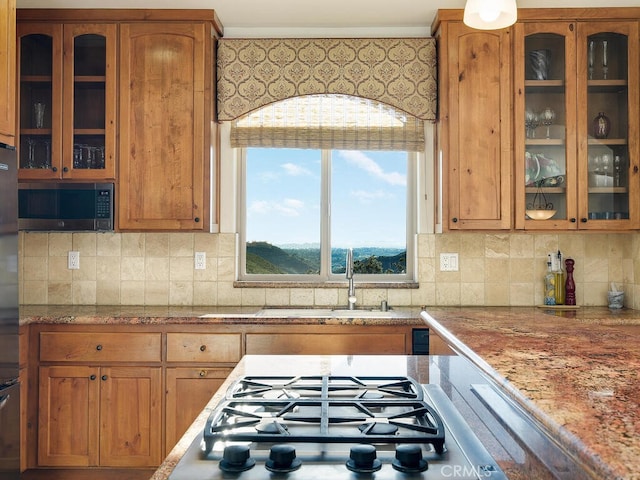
column 550, row 284
column 559, row 280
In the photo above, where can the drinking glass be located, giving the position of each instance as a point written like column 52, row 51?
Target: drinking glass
column 38, row 114
column 547, row 116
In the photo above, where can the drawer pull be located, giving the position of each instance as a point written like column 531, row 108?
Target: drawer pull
column 104, row 377
column 203, row 348
column 92, row 377
column 99, row 347
column 203, row 373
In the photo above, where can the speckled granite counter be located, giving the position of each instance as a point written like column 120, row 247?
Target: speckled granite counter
column 577, row 372
column 131, row 315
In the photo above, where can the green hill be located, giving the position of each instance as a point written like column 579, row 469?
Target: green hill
column 264, row 258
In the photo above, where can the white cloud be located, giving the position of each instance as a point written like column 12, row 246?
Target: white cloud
column 367, row 197
column 370, row 166
column 289, row 207
column 294, row 170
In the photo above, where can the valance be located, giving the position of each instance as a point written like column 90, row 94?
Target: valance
column 400, row 72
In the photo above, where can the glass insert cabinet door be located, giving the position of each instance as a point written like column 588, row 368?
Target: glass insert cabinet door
column 545, row 133
column 40, row 100
column 577, row 147
column 608, row 125
column 67, row 101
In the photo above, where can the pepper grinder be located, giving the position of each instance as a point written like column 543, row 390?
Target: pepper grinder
column 570, row 285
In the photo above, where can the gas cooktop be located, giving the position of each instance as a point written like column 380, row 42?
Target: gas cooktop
column 326, row 426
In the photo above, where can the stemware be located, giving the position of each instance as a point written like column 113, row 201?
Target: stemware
column 605, row 68
column 547, row 116
column 591, row 58
column 531, row 122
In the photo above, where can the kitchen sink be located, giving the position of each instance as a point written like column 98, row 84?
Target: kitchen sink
column 325, row 313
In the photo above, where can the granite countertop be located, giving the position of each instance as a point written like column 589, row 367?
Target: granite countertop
column 132, row 315
column 576, row 371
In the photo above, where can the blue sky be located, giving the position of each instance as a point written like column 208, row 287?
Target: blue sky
column 368, row 203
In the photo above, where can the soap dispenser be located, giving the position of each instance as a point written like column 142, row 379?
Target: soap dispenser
column 550, row 284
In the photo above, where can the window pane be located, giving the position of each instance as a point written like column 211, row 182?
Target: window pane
column 369, row 210
column 283, row 211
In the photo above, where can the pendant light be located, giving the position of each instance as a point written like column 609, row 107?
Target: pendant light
column 490, row 14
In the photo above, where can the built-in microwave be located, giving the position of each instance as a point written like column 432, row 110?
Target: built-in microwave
column 65, row 206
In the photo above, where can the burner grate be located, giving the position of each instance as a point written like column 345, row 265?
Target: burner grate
column 326, row 409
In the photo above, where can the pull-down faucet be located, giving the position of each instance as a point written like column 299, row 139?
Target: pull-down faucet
column 352, row 288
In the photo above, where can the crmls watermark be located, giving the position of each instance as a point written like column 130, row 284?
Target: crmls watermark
column 466, row 471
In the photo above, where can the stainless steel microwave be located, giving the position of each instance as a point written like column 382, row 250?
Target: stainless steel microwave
column 65, row 206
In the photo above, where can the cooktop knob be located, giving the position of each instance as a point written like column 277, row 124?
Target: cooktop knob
column 362, row 459
column 282, row 459
column 236, row 458
column 409, row 459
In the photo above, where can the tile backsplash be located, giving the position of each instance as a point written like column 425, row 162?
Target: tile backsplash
column 158, row 269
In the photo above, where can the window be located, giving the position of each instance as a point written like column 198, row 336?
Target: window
column 303, row 208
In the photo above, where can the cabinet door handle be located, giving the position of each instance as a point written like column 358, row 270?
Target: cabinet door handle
column 55, row 169
column 203, row 373
column 92, row 377
column 104, row 377
column 203, row 348
column 99, row 347
column 65, row 169
column 635, row 169
column 573, row 220
column 197, row 219
column 454, row 219
column 583, row 220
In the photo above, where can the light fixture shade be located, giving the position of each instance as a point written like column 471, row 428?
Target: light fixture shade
column 490, row 14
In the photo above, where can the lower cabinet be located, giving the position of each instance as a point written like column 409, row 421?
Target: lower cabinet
column 100, row 416
column 116, row 396
column 188, row 391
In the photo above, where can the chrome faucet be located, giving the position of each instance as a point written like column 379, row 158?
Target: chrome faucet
column 352, row 288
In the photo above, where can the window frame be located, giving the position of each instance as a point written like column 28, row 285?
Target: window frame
column 325, row 276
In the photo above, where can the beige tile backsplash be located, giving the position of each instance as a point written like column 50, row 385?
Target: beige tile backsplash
column 158, row 269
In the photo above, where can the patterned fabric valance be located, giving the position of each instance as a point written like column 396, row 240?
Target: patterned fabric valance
column 400, row 72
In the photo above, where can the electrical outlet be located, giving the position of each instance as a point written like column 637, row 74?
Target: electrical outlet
column 201, row 260
column 448, row 262
column 73, row 261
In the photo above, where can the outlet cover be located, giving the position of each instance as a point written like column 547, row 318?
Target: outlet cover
column 448, row 262
column 200, row 260
column 73, row 261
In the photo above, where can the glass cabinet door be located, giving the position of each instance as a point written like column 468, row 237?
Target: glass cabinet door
column 40, row 63
column 89, row 94
column 607, row 125
column 545, row 139
column 67, row 101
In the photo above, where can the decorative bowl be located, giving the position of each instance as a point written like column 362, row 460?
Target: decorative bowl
column 540, row 214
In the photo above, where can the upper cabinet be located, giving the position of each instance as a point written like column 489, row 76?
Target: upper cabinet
column 7, row 71
column 166, row 111
column 576, row 125
column 474, row 127
column 67, row 100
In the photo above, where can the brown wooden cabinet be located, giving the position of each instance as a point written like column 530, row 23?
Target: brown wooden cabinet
column 198, row 363
column 567, row 73
column 92, row 409
column 474, row 127
column 123, row 395
column 166, row 143
column 7, row 71
column 67, row 99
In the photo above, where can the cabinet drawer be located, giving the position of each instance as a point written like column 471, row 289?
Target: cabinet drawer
column 326, row 344
column 100, row 347
column 204, row 347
